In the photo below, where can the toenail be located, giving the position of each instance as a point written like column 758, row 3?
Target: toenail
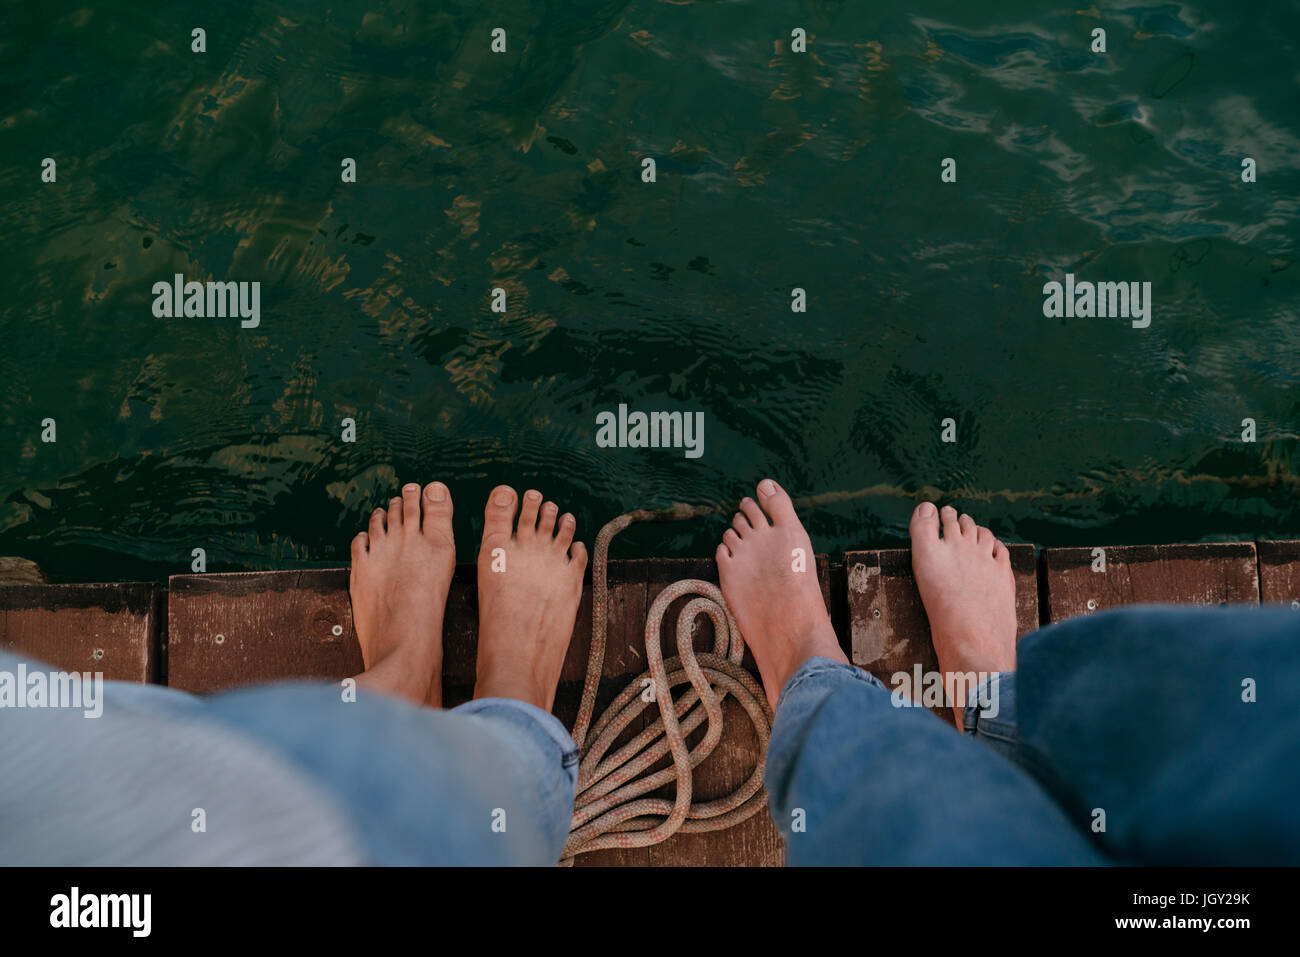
column 436, row 492
column 411, row 487
column 925, row 509
column 532, row 496
column 767, row 487
column 503, row 497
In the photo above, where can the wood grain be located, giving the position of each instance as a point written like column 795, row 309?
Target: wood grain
column 1279, row 572
column 1199, row 574
column 109, row 628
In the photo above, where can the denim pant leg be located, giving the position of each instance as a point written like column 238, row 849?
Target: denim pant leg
column 853, row 779
column 1176, row 728
column 990, row 714
column 489, row 782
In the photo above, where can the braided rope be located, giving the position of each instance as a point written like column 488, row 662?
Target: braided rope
column 610, row 810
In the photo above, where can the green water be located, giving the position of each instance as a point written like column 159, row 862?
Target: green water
column 522, row 171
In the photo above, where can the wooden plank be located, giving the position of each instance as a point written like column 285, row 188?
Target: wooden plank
column 1198, row 574
column 1279, row 572
column 108, row 628
column 246, row 627
column 888, row 629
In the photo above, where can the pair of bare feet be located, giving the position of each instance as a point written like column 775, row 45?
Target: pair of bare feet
column 530, row 583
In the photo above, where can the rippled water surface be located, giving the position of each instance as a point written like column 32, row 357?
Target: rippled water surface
column 522, row 171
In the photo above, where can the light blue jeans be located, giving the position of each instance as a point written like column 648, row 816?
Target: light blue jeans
column 290, row 773
column 1147, row 735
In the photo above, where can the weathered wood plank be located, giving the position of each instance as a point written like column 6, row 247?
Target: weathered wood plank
column 1078, row 582
column 109, row 628
column 888, row 627
column 1279, row 572
column 247, row 627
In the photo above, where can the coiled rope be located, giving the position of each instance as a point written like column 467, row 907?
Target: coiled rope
column 610, row 810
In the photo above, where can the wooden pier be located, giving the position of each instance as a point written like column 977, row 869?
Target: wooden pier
column 208, row 632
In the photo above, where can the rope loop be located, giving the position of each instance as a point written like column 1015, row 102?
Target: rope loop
column 611, row 809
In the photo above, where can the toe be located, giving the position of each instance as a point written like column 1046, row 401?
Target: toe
column 546, row 520
column 925, row 525
column 528, row 513
column 731, row 540
column 967, row 526
column 411, row 507
column 723, row 555
column 776, row 503
column 578, row 557
column 395, row 515
column 567, row 526
column 985, row 538
column 377, row 526
column 948, row 516
column 1000, row 551
column 360, row 545
column 752, row 512
column 499, row 513
column 740, row 524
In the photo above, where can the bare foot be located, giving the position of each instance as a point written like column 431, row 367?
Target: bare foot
column 969, row 595
column 529, row 587
column 401, row 571
column 780, row 611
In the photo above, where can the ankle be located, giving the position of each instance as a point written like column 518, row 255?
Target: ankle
column 396, row 675
column 819, row 641
column 514, row 688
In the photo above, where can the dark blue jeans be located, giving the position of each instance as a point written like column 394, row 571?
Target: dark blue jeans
column 1143, row 735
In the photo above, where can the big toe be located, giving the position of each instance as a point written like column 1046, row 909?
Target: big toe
column 499, row 514
column 776, row 503
column 924, row 528
column 924, row 524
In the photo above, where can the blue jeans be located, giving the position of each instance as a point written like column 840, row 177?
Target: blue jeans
column 1146, row 735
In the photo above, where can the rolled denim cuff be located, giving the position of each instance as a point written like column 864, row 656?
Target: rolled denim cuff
column 820, row 670
column 542, row 727
column 990, row 712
